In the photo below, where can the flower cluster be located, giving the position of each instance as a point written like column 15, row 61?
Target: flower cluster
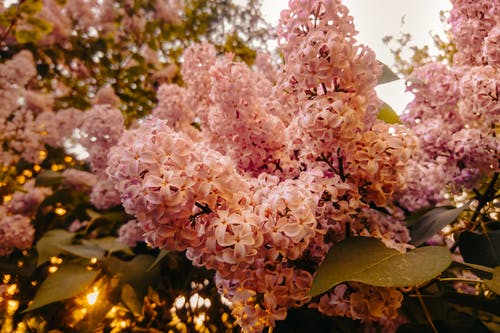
column 27, row 200
column 455, row 111
column 474, row 25
column 274, row 168
column 19, row 132
column 130, row 233
column 27, row 119
column 16, row 232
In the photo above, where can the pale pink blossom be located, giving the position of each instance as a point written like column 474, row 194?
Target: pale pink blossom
column 131, row 233
column 16, row 232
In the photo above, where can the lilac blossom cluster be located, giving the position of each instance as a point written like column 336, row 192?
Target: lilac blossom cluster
column 27, row 119
column 16, row 230
column 455, row 112
column 131, row 233
column 274, row 168
column 94, row 16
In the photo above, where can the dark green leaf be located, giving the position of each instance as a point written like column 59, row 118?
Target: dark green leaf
column 135, row 272
column 432, row 222
column 48, row 178
column 49, row 245
column 368, row 260
column 388, row 115
column 68, row 281
column 494, row 283
column 387, row 75
column 480, row 249
column 161, row 255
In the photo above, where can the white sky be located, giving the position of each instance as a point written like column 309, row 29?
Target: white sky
column 375, row 19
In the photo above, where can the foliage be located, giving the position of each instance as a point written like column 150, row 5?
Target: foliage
column 407, row 57
column 151, row 184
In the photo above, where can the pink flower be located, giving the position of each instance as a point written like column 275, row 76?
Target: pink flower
column 131, row 233
column 16, row 231
column 26, row 201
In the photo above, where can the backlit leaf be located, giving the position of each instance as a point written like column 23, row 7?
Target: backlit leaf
column 68, row 281
column 109, row 244
column 388, row 115
column 49, row 245
column 84, row 250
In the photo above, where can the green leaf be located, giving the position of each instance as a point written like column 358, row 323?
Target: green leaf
column 480, row 249
column 26, row 36
column 131, row 300
column 48, row 178
column 109, row 244
column 388, row 115
column 494, row 283
column 161, row 255
column 368, row 260
column 30, row 7
column 49, row 245
column 387, row 75
column 135, row 272
column 42, row 26
column 432, row 222
column 84, row 250
column 93, row 214
column 68, row 281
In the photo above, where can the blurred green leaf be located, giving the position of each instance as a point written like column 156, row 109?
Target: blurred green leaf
column 30, row 7
column 432, row 222
column 134, row 272
column 387, row 75
column 368, row 260
column 109, row 244
column 49, row 245
column 93, row 214
column 42, row 26
column 68, row 281
column 48, row 178
column 161, row 255
column 26, row 36
column 84, row 250
column 131, row 300
column 388, row 115
column 494, row 283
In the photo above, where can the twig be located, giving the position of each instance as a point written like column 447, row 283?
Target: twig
column 426, row 311
column 461, row 280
